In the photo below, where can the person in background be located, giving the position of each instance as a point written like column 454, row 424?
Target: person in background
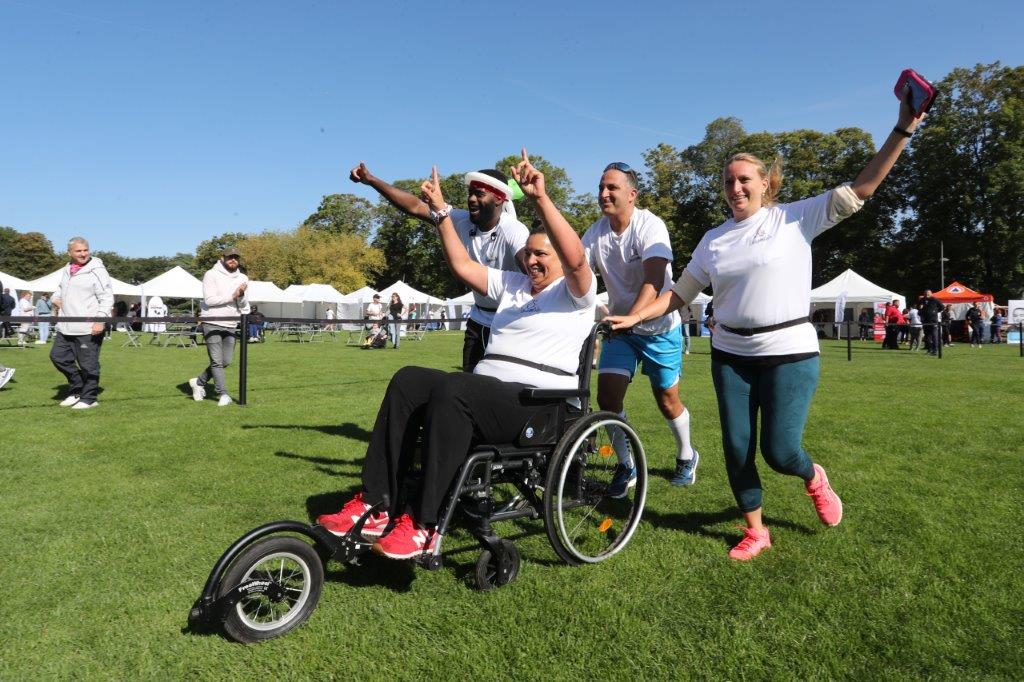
column 904, row 328
column 224, row 287
column 255, row 330
column 7, row 305
column 44, row 309
column 893, row 320
column 395, row 310
column 930, row 308
column 946, row 318
column 914, row 322
column 85, row 290
column 375, row 313
column 973, row 317
column 24, row 308
column 864, row 324
column 996, row 326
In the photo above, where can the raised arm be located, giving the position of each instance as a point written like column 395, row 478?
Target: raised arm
column 882, row 162
column 404, row 201
column 563, row 238
column 462, row 266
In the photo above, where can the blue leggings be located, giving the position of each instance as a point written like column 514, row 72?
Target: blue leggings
column 783, row 395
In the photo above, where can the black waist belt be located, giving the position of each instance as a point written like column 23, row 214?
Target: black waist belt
column 750, row 331
column 536, row 365
column 486, row 310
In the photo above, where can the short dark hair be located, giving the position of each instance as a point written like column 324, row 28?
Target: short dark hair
column 496, row 174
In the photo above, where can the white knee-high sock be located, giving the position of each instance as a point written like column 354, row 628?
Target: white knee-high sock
column 680, row 428
column 621, row 443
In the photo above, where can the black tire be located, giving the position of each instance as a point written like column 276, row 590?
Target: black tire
column 289, row 563
column 584, row 524
column 495, row 571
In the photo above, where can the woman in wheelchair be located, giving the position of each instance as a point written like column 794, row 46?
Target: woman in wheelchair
column 543, row 318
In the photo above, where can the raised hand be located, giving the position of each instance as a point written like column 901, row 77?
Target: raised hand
column 530, row 180
column 359, row 174
column 430, row 192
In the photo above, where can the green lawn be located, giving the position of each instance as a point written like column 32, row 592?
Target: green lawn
column 110, row 520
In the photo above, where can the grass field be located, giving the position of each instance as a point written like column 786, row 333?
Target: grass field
column 110, row 520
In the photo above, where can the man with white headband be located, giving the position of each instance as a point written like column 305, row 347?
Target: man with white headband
column 488, row 228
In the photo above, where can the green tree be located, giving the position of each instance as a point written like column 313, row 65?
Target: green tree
column 964, row 183
column 27, row 254
column 306, row 255
column 209, row 251
column 343, row 214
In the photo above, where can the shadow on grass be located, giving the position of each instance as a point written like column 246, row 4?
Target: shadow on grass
column 327, row 465
column 346, row 430
column 702, row 523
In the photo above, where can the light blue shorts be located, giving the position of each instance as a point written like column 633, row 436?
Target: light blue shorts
column 660, row 354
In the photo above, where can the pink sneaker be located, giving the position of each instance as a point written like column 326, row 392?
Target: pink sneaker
column 753, row 543
column 826, row 502
column 406, row 540
column 342, row 522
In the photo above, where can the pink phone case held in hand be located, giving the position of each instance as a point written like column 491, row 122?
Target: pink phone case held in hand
column 922, row 93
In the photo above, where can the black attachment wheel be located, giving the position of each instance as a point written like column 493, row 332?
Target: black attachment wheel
column 584, row 523
column 284, row 576
column 494, row 570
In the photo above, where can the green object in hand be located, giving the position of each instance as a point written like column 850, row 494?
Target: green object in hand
column 517, row 192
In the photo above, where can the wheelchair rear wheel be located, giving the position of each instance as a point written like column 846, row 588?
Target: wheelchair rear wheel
column 584, row 523
column 287, row 576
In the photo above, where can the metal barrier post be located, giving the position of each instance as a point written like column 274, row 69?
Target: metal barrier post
column 849, row 343
column 1020, row 337
column 243, row 359
column 938, row 341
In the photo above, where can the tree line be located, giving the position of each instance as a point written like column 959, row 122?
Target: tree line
column 960, row 183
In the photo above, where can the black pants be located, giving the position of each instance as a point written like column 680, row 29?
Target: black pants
column 890, row 337
column 451, row 411
column 931, row 337
column 78, row 359
column 473, row 344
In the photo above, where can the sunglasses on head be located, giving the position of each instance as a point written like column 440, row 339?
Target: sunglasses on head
column 623, row 167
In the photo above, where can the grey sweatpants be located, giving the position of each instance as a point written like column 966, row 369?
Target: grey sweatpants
column 220, row 345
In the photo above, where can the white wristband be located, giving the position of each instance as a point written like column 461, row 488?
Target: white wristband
column 438, row 216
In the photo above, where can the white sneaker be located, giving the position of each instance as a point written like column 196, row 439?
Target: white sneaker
column 198, row 392
column 5, row 376
column 69, row 401
column 224, row 400
column 82, row 405
column 43, row 343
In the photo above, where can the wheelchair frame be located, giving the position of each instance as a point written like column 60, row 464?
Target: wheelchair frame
column 548, row 468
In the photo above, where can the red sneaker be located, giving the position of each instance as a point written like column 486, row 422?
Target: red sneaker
column 753, row 543
column 407, row 539
column 826, row 502
column 342, row 522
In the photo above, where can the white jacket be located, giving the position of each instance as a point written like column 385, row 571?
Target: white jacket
column 87, row 293
column 219, row 288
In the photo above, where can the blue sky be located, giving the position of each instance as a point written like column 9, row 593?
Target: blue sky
column 148, row 127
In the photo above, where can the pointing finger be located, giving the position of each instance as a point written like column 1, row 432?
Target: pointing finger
column 437, row 182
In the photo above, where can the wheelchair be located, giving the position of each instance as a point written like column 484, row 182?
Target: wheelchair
column 269, row 581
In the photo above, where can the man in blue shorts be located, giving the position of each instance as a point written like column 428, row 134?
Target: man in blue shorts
column 630, row 247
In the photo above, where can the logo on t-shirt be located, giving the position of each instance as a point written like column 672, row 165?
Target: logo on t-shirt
column 760, row 236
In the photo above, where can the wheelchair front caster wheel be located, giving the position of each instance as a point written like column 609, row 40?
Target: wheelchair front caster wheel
column 287, row 576
column 497, row 570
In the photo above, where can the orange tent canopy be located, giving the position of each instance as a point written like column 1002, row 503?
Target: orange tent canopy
column 958, row 293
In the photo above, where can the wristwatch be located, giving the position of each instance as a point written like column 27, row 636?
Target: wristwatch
column 438, row 216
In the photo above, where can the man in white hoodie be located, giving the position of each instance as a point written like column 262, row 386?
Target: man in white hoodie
column 224, row 288
column 84, row 291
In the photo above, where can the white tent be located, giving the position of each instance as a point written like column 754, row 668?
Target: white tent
column 857, row 292
column 15, row 284
column 360, row 295
column 424, row 305
column 175, row 283
column 49, row 283
column 353, row 306
column 273, row 301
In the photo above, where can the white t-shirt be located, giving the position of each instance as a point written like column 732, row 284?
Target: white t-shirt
column 914, row 318
column 620, row 260
column 547, row 329
column 495, row 248
column 375, row 311
column 760, row 269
